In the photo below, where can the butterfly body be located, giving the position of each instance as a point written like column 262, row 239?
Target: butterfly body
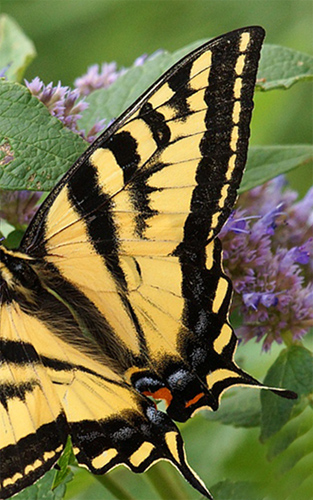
column 117, row 291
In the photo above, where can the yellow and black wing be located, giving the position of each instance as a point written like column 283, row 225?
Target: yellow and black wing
column 51, row 389
column 117, row 291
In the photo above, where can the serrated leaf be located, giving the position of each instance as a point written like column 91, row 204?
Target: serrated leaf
column 242, row 409
column 293, row 369
column 36, row 148
column 16, row 50
column 241, row 490
column 281, row 67
column 266, row 162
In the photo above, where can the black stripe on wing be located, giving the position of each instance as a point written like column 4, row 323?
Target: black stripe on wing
column 21, row 353
column 97, row 213
column 27, row 460
column 223, row 157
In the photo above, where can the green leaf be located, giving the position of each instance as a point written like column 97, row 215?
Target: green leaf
column 299, row 428
column 37, row 167
column 111, row 102
column 14, row 238
column 293, row 369
column 52, row 485
column 35, row 148
column 266, row 162
column 240, row 490
column 281, row 67
column 242, row 409
column 290, row 452
column 114, row 487
column 64, row 473
column 16, row 50
column 42, row 489
column 302, row 478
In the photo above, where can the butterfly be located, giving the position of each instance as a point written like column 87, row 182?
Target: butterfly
column 117, row 293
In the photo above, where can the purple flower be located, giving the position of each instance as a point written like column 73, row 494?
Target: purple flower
column 268, row 248
column 102, row 77
column 97, row 78
column 68, row 105
column 62, row 102
column 95, row 130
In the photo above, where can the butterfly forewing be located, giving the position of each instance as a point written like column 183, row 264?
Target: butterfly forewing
column 126, row 255
column 159, row 187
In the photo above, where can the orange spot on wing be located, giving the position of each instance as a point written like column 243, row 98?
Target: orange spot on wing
column 163, row 393
column 195, row 399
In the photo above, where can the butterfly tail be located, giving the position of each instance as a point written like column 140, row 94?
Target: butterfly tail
column 175, row 446
column 222, row 379
column 279, row 391
column 137, row 440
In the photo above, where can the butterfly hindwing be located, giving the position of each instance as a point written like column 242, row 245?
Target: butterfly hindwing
column 118, row 284
column 46, row 386
column 33, row 427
